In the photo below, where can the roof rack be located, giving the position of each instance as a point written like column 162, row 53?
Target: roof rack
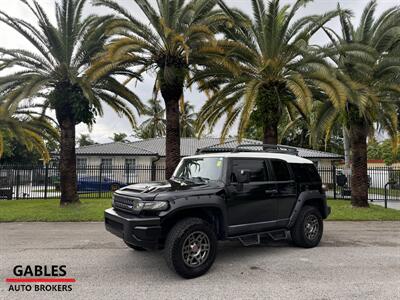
column 242, row 148
column 267, row 148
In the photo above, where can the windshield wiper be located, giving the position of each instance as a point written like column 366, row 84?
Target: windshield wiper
column 181, row 179
column 202, row 179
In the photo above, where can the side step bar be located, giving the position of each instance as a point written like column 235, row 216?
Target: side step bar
column 255, row 238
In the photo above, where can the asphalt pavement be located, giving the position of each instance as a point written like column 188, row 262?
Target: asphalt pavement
column 356, row 260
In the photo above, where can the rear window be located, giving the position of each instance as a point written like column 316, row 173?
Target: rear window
column 305, row 173
column 281, row 170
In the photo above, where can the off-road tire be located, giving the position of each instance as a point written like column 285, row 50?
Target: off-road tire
column 176, row 238
column 299, row 231
column 136, row 248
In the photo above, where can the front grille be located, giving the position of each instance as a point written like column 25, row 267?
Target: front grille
column 124, row 203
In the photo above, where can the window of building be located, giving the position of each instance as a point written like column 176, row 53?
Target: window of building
column 106, row 162
column 81, row 165
column 106, row 165
column 130, row 166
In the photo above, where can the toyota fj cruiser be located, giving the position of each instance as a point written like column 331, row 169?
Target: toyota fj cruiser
column 242, row 194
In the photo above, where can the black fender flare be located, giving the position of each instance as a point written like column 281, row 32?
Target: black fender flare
column 214, row 202
column 302, row 200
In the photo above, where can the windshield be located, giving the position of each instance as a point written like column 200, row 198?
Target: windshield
column 208, row 168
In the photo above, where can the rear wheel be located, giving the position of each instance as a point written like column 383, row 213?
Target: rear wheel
column 308, row 228
column 191, row 247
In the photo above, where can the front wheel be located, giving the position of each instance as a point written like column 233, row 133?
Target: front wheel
column 308, row 228
column 191, row 247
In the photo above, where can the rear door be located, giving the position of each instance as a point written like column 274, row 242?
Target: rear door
column 251, row 206
column 286, row 195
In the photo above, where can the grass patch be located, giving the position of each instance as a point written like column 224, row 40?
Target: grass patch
column 342, row 211
column 380, row 191
column 92, row 210
column 50, row 210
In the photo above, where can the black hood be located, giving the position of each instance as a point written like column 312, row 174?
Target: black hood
column 149, row 190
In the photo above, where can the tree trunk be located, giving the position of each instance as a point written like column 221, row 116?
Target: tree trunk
column 171, row 79
column 68, row 184
column 270, row 132
column 346, row 146
column 269, row 111
column 359, row 172
column 173, row 141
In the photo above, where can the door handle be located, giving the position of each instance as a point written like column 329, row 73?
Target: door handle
column 269, row 192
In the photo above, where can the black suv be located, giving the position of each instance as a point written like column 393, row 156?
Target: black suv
column 221, row 196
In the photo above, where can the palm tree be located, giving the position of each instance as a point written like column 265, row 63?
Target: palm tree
column 54, row 73
column 85, row 140
column 277, row 70
column 119, row 138
column 188, row 120
column 368, row 64
column 26, row 126
column 178, row 39
column 154, row 126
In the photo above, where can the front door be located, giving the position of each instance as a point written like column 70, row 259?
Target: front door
column 251, row 206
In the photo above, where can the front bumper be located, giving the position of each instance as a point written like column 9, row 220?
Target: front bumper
column 142, row 232
column 327, row 210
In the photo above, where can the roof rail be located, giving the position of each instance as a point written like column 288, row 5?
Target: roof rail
column 267, row 148
column 239, row 148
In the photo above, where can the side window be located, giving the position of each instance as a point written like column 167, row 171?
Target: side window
column 313, row 173
column 281, row 170
column 256, row 167
column 305, row 173
column 300, row 173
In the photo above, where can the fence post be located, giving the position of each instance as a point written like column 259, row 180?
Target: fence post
column 127, row 167
column 334, row 181
column 46, row 180
column 100, row 171
column 17, row 183
column 153, row 172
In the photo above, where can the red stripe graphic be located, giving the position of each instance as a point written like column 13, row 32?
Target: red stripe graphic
column 40, row 280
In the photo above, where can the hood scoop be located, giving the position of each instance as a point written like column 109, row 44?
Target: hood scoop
column 149, row 187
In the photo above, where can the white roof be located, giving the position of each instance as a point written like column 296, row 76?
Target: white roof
column 287, row 157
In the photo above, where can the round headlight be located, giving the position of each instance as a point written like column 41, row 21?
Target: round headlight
column 137, row 206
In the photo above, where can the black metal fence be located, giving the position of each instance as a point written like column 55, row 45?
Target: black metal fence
column 25, row 182
column 382, row 180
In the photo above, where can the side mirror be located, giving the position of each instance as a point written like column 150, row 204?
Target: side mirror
column 243, row 176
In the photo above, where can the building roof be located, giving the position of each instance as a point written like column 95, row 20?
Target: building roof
column 189, row 146
column 113, row 149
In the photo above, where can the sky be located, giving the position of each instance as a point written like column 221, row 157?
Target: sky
column 108, row 124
